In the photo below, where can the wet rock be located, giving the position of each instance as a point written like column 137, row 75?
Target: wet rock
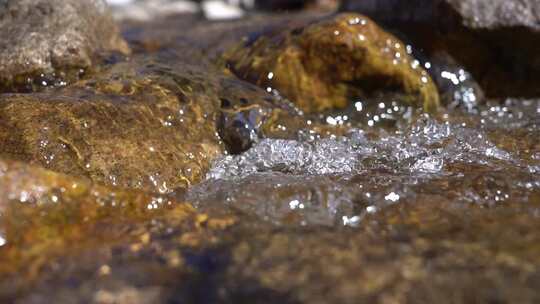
column 441, row 209
column 141, row 125
column 151, row 122
column 21, row 183
column 498, row 41
column 53, row 42
column 239, row 127
column 423, row 251
column 46, row 216
column 329, row 63
column 457, row 87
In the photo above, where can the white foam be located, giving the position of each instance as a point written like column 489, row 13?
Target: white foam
column 425, row 148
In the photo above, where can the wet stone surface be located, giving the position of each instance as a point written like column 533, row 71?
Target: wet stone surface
column 165, row 178
column 324, row 65
column 62, row 40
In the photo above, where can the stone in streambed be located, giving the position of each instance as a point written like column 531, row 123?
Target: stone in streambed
column 51, row 42
column 329, row 63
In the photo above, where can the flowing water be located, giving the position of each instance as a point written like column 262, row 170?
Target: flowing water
column 387, row 204
column 468, row 158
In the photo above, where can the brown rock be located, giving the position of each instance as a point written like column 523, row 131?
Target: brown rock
column 329, row 63
column 130, row 127
column 47, row 219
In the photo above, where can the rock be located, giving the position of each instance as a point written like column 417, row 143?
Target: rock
column 498, row 41
column 457, row 87
column 141, row 124
column 53, row 42
column 155, row 121
column 46, row 216
column 427, row 247
column 433, row 211
column 479, row 14
column 34, row 186
column 329, row 63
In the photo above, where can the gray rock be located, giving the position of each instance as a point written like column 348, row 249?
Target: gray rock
column 497, row 40
column 47, row 41
column 480, row 14
column 498, row 13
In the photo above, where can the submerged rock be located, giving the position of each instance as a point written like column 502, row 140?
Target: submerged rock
column 34, row 186
column 48, row 42
column 327, row 64
column 46, row 217
column 498, row 41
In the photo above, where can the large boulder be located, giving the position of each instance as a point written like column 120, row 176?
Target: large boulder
column 326, row 64
column 497, row 40
column 51, row 42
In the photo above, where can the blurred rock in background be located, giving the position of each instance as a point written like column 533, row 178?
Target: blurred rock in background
column 211, row 9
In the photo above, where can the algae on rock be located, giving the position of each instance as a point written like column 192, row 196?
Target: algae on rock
column 138, row 125
column 327, row 64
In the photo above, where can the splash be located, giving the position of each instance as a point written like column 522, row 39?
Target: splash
column 425, row 148
column 339, row 181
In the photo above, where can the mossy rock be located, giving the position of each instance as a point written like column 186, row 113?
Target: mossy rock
column 326, row 64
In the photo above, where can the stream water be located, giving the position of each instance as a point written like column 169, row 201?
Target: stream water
column 467, row 158
column 138, row 201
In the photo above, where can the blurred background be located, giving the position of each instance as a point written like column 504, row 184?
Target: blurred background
column 211, row 9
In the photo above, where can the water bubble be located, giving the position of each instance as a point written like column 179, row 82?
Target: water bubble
column 393, row 197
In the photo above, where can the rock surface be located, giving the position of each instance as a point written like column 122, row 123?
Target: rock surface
column 62, row 39
column 330, row 63
column 498, row 41
column 46, row 215
column 479, row 14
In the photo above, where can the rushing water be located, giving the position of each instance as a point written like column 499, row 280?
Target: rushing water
column 463, row 157
column 404, row 207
